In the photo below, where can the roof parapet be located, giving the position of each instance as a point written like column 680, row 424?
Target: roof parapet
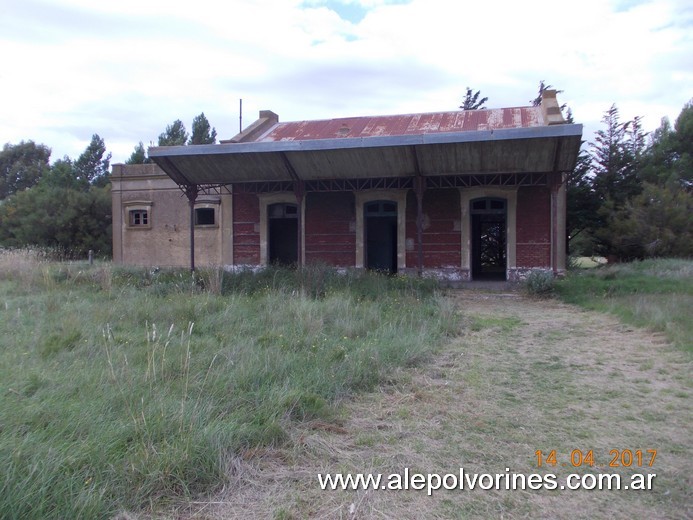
column 126, row 170
column 266, row 121
column 550, row 108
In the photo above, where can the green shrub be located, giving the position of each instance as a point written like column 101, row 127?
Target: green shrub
column 539, row 283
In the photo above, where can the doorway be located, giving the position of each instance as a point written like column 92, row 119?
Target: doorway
column 381, row 236
column 283, row 234
column 489, row 238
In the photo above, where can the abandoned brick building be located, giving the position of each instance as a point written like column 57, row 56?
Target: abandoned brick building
column 463, row 195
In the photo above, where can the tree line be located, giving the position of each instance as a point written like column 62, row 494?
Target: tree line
column 176, row 135
column 65, row 207
column 629, row 196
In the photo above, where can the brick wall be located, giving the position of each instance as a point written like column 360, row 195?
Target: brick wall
column 533, row 227
column 246, row 229
column 330, row 223
column 441, row 229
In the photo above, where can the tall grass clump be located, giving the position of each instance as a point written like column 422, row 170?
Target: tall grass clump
column 22, row 265
column 319, row 280
column 539, row 283
column 656, row 293
column 125, row 389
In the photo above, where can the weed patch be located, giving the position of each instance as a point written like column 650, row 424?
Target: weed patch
column 657, row 294
column 126, row 389
column 539, row 283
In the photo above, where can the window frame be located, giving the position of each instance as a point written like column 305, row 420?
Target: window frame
column 137, row 207
column 214, row 206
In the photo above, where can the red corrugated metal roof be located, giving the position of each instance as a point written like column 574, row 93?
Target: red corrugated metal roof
column 408, row 124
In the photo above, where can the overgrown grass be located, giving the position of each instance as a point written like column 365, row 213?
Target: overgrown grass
column 123, row 389
column 652, row 293
column 539, row 283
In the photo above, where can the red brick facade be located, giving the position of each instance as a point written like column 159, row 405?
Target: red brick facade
column 246, row 232
column 441, row 237
column 330, row 229
column 331, row 235
column 533, row 227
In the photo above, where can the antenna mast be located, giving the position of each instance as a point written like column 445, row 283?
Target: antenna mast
column 240, row 116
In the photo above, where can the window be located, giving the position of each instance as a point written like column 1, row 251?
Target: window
column 205, row 217
column 139, row 218
column 137, row 214
column 282, row 210
column 381, row 208
column 488, row 205
column 479, row 204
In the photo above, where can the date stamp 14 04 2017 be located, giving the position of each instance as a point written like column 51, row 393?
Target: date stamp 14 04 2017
column 579, row 458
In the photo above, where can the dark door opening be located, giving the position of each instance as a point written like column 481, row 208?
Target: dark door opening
column 283, row 234
column 381, row 236
column 489, row 241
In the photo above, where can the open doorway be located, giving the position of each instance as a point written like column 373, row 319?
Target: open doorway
column 381, row 235
column 489, row 240
column 283, row 234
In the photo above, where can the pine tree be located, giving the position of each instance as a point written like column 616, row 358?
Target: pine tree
column 582, row 205
column 472, row 101
column 91, row 164
column 139, row 155
column 660, row 219
column 616, row 157
column 174, row 135
column 202, row 132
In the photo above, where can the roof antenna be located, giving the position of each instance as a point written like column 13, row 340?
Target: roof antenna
column 240, row 116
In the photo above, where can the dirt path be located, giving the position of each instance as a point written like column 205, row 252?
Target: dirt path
column 526, row 375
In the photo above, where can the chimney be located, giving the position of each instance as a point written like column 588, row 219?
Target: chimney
column 550, row 109
column 266, row 121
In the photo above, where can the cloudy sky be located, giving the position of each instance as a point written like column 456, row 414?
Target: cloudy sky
column 126, row 68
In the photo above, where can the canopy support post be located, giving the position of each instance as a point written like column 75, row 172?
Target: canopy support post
column 191, row 192
column 419, row 188
column 558, row 214
column 558, row 223
column 300, row 192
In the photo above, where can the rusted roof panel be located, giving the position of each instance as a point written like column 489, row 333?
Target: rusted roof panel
column 407, row 124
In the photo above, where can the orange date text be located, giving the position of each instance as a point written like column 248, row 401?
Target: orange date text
column 578, row 458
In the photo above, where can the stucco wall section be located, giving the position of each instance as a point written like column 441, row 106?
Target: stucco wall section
column 166, row 241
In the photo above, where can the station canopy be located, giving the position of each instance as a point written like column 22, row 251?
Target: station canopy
column 481, row 142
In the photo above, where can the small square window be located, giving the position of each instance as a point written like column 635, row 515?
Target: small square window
column 139, row 217
column 204, row 217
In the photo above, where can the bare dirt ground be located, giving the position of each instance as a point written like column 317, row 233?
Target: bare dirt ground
column 525, row 375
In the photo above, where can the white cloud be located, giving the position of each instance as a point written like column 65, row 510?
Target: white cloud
column 126, row 69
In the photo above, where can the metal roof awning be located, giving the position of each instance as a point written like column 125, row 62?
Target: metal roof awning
column 538, row 149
